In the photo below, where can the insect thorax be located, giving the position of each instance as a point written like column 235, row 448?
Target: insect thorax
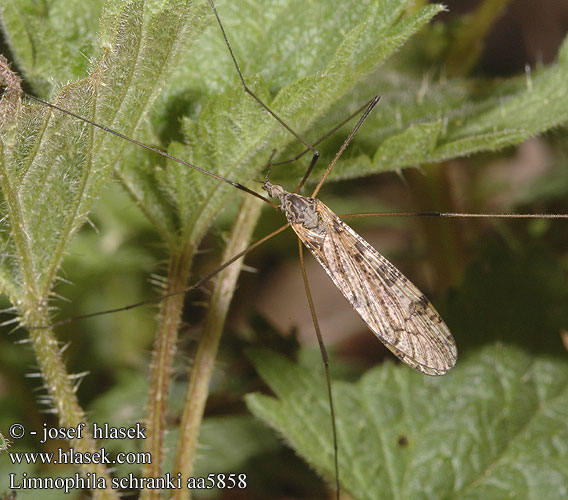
column 299, row 209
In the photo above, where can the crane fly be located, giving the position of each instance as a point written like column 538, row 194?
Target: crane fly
column 393, row 308
column 399, row 314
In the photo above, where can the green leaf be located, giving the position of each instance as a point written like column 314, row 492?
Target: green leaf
column 311, row 61
column 231, row 135
column 52, row 41
column 226, row 443
column 145, row 50
column 493, row 428
column 426, row 119
column 423, row 121
column 53, row 166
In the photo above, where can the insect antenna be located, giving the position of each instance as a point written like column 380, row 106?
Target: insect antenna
column 309, row 146
column 151, row 148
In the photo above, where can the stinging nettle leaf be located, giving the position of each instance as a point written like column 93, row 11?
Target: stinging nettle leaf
column 305, row 63
column 492, row 428
column 141, row 44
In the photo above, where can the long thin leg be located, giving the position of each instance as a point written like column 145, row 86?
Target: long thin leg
column 151, row 148
column 257, row 99
column 325, row 360
column 206, row 278
column 159, row 298
column 323, row 137
column 372, row 103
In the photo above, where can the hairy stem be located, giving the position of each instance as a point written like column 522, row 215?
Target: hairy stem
column 202, row 368
column 160, row 378
column 60, row 387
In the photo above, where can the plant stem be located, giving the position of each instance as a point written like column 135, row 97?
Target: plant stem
column 161, row 368
column 464, row 53
column 60, row 388
column 202, row 367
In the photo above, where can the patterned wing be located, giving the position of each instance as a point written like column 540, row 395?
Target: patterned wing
column 394, row 309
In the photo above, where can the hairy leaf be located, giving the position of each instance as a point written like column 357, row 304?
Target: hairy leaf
column 494, row 427
column 141, row 45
